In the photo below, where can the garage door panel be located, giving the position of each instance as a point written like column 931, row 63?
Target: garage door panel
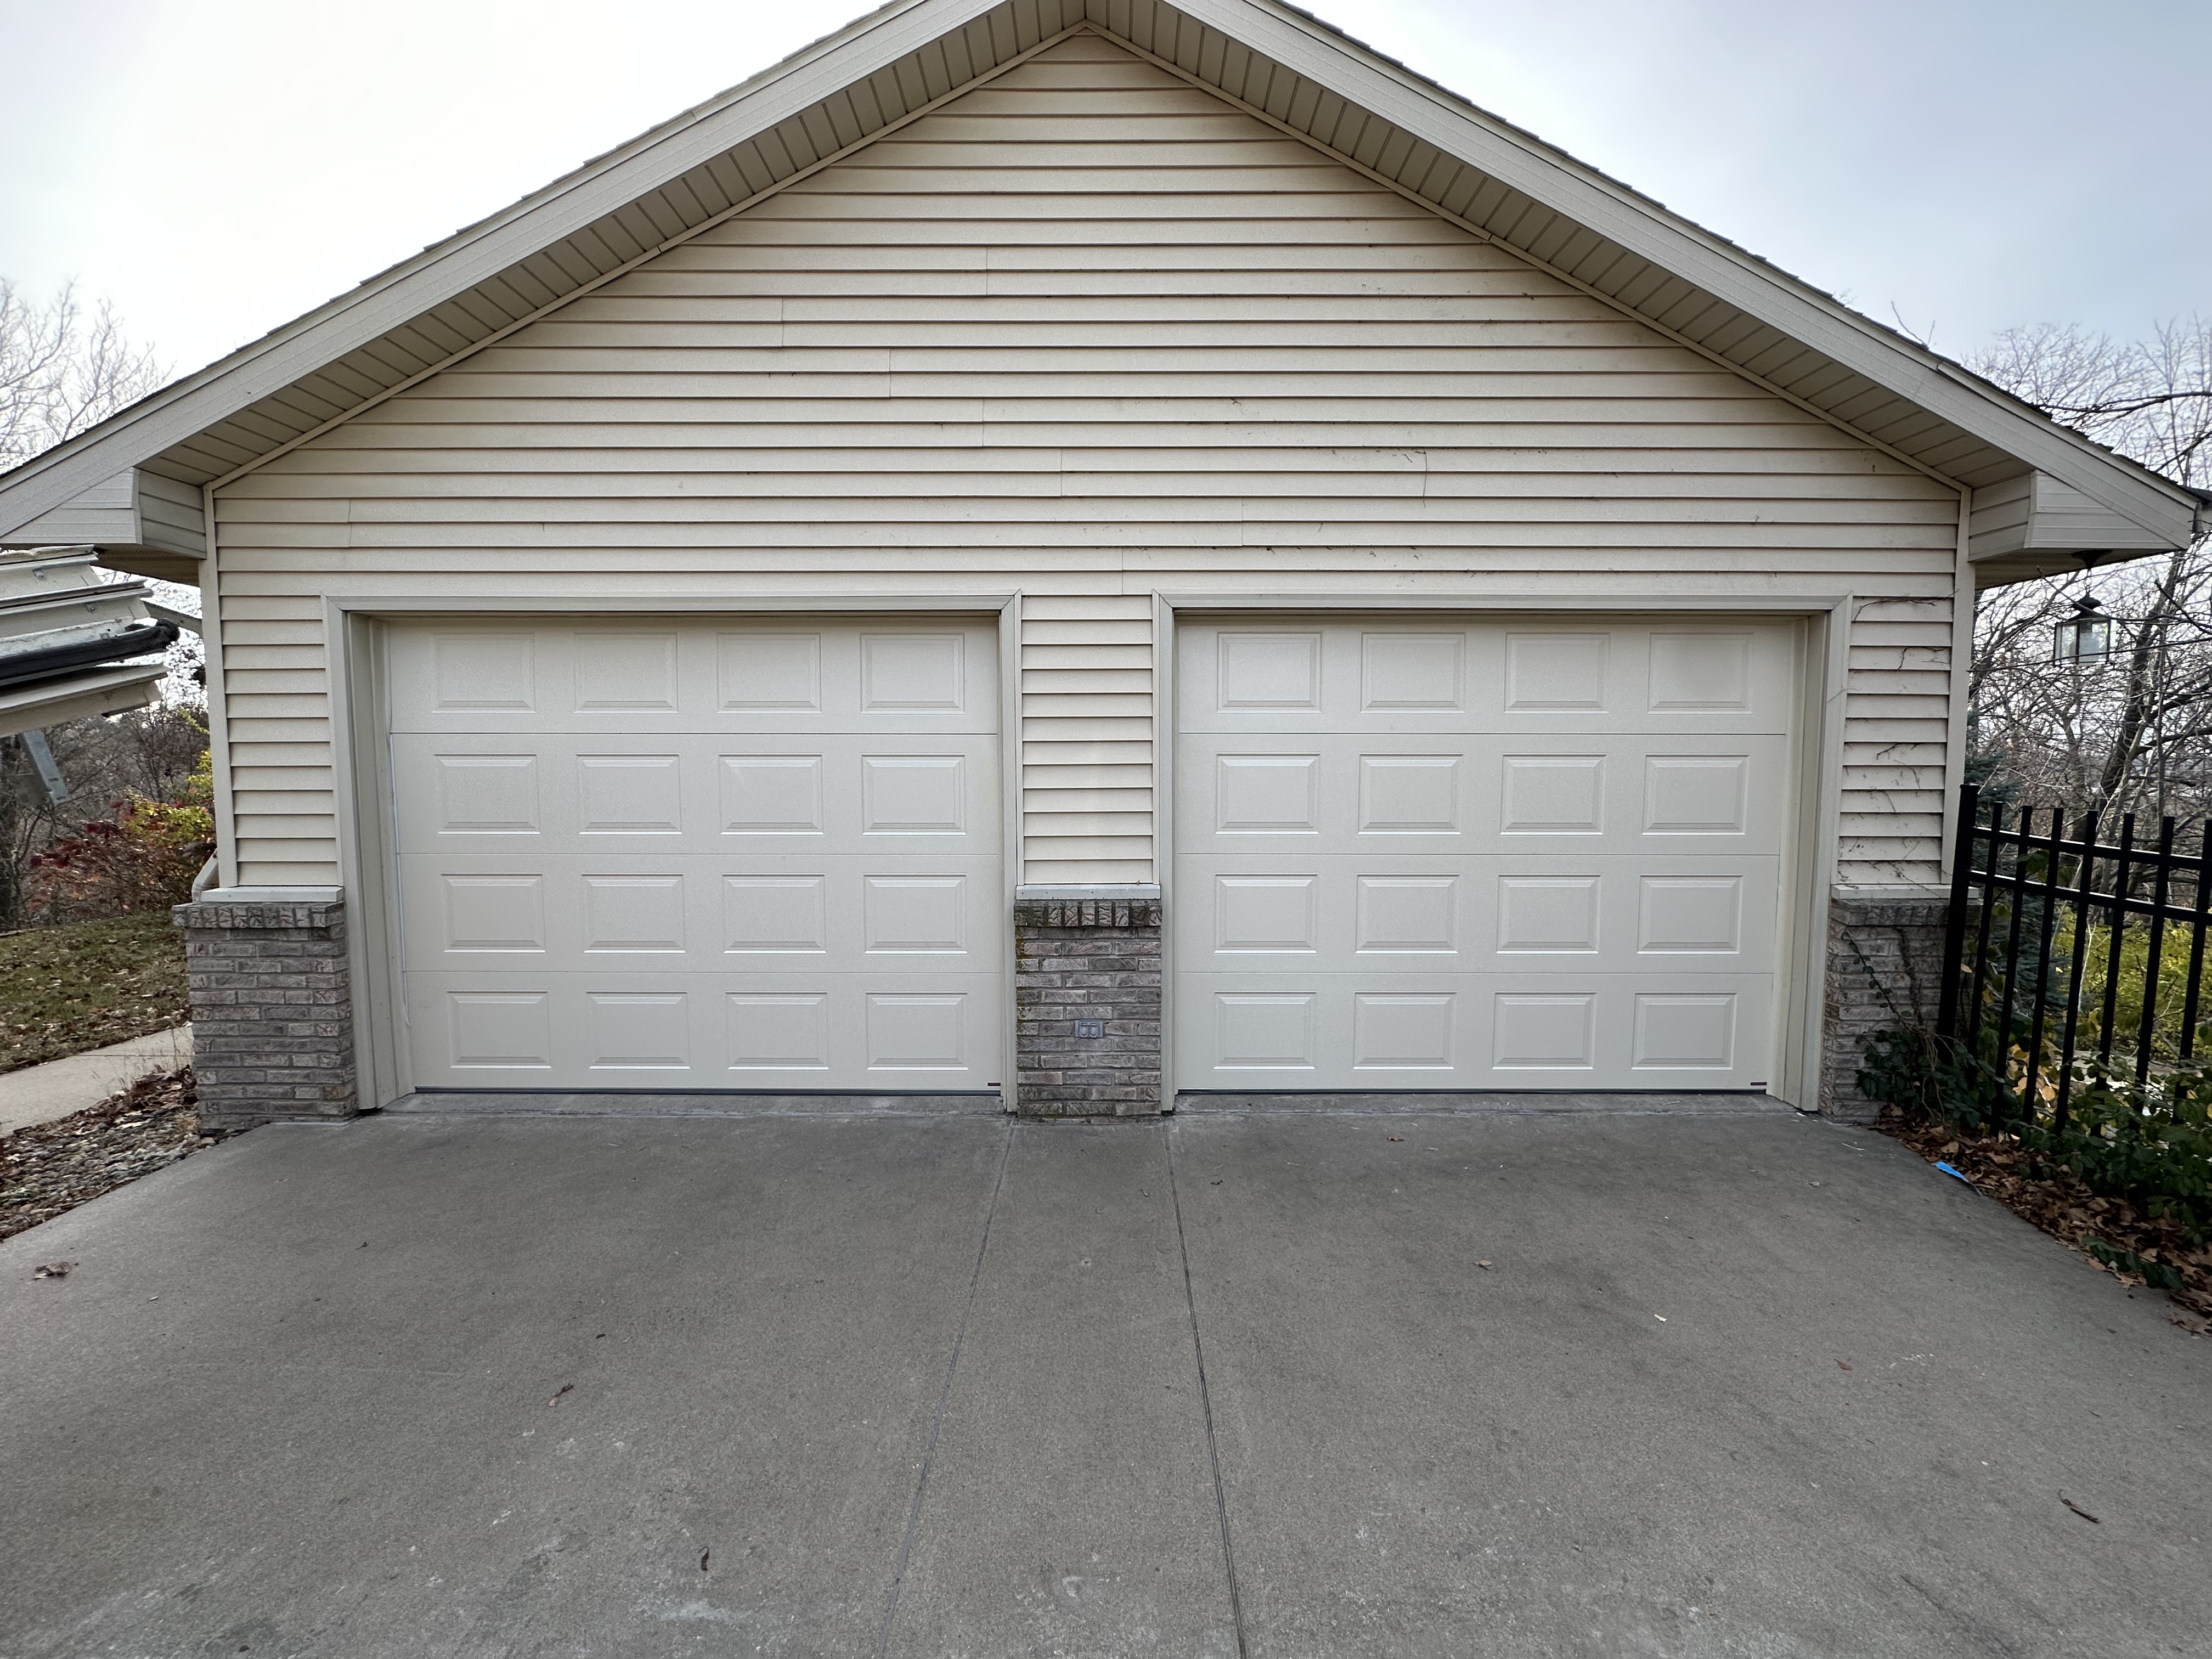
column 694, row 854
column 1473, row 1030
column 798, row 1031
column 1539, row 676
column 1509, row 853
column 690, row 792
column 1479, row 794
column 708, row 914
column 1530, row 915
column 655, row 676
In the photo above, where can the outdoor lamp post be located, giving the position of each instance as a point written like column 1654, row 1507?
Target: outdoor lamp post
column 2085, row 636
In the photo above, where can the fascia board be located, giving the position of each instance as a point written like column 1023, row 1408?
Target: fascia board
column 2159, row 505
column 455, row 266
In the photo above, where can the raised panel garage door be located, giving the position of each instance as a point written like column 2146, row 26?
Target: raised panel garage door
column 1510, row 855
column 699, row 855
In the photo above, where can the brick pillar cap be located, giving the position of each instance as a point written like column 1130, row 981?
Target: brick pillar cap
column 271, row 896
column 1104, row 893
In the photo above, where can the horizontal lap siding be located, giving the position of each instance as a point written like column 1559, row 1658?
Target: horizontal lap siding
column 1090, row 333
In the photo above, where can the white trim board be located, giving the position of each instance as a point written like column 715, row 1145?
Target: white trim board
column 356, row 627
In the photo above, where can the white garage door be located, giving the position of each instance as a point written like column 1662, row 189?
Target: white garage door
column 1496, row 855
column 705, row 855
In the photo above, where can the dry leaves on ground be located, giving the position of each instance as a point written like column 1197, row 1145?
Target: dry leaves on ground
column 51, row 1168
column 2062, row 1204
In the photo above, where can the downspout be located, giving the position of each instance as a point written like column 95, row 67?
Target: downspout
column 1962, row 674
column 226, row 818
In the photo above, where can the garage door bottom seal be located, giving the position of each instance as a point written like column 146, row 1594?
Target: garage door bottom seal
column 522, row 1104
column 1472, row 1102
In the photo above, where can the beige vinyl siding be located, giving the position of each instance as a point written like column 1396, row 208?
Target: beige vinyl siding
column 1090, row 333
column 104, row 512
column 1087, row 729
column 170, row 514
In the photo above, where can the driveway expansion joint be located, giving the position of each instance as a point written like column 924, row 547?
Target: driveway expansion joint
column 1205, row 1401
column 945, row 1395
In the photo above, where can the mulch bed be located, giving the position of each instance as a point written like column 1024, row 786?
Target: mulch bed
column 50, row 1168
column 2058, row 1201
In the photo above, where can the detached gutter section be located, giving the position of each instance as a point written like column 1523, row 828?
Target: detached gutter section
column 20, row 666
column 72, row 644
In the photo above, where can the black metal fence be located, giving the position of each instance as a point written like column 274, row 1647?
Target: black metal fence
column 2070, row 956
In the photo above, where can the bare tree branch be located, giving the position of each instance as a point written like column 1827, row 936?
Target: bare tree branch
column 63, row 370
column 2133, row 730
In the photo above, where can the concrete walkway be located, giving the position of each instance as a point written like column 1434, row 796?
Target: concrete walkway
column 1258, row 1383
column 40, row 1094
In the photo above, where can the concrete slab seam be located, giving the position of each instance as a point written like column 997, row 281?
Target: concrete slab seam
column 944, row 1396
column 1206, row 1403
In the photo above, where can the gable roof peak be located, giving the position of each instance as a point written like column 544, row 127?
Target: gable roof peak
column 897, row 62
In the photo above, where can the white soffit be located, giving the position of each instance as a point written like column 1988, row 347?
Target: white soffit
column 1294, row 71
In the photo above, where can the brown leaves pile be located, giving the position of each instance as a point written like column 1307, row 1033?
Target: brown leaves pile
column 50, row 1168
column 2060, row 1203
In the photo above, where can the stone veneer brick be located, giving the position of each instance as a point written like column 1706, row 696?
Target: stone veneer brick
column 272, row 1014
column 1885, row 969
column 272, row 1011
column 1087, row 959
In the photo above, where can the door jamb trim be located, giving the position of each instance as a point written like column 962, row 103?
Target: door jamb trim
column 1824, row 621
column 355, row 628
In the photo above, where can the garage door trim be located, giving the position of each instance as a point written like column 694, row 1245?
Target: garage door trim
column 358, row 628
column 1822, row 621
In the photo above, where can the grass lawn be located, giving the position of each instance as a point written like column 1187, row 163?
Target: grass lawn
column 87, row 984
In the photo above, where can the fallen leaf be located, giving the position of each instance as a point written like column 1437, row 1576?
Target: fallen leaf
column 703, row 1554
column 1397, row 1137
column 1842, row 1366
column 2079, row 1510
column 1482, row 1264
column 54, row 1270
column 558, row 1392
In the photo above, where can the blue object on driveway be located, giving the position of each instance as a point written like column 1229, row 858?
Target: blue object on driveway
column 1955, row 1174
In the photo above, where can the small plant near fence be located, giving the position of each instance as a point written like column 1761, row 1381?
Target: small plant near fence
column 2074, row 1031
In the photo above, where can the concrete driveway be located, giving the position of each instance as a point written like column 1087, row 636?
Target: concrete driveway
column 1267, row 1383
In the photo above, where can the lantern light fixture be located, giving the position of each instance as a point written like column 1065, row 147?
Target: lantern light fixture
column 2085, row 636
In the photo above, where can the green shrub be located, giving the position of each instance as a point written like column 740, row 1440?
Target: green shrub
column 2175, row 949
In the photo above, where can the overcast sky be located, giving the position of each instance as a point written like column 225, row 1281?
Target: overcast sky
column 215, row 167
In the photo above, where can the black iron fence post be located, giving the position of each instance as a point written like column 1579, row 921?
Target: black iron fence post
column 2042, row 879
column 1954, row 919
column 2085, row 888
column 2200, row 914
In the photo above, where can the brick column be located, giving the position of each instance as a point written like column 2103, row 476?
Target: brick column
column 272, row 1008
column 1885, row 969
column 1087, row 962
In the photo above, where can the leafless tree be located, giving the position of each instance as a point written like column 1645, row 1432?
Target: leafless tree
column 2131, row 730
column 62, row 368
